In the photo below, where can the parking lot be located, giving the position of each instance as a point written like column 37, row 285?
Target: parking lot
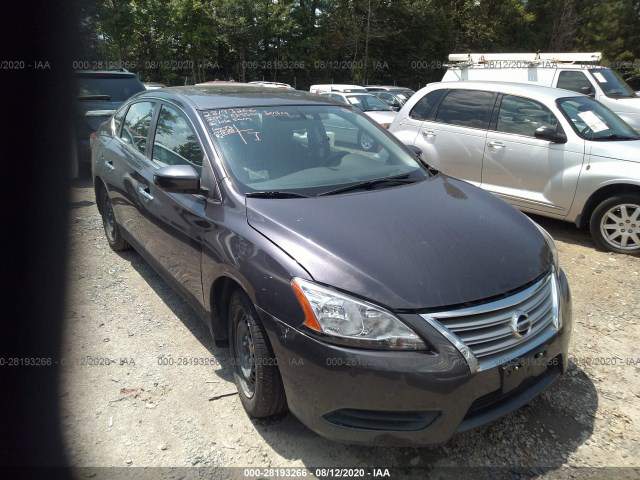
column 144, row 385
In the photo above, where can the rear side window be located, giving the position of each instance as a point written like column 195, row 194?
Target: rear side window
column 175, row 142
column 467, row 108
column 522, row 116
column 136, row 125
column 421, row 110
column 574, row 81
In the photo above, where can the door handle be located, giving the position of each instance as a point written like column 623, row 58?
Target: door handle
column 428, row 133
column 495, row 144
column 109, row 165
column 144, row 193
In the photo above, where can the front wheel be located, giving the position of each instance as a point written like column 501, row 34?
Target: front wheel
column 615, row 224
column 256, row 371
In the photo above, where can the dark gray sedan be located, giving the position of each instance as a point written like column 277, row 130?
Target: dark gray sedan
column 378, row 302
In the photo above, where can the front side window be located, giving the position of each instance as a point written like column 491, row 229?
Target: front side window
column 136, row 125
column 175, row 141
column 467, row 108
column 575, row 81
column 307, row 150
column 522, row 116
column 593, row 121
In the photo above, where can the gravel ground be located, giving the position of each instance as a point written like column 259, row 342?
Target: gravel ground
column 149, row 405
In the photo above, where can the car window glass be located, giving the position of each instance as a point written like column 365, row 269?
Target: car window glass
column 611, row 83
column 467, row 108
column 574, row 81
column 305, row 149
column 117, row 119
column 591, row 120
column 113, row 88
column 136, row 125
column 421, row 110
column 523, row 116
column 175, row 141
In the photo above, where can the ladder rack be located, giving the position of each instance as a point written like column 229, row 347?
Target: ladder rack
column 471, row 59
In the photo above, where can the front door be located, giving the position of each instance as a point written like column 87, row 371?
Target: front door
column 530, row 173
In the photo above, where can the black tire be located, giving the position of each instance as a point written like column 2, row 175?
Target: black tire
column 111, row 229
column 615, row 224
column 366, row 142
column 255, row 368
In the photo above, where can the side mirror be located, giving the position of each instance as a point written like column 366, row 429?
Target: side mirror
column 177, row 179
column 549, row 134
column 588, row 91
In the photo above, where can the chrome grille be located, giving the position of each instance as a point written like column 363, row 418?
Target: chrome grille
column 484, row 335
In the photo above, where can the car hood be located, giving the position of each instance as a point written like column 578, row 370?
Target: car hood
column 382, row 116
column 627, row 105
column 628, row 150
column 436, row 243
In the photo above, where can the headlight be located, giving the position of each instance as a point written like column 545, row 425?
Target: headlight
column 347, row 320
column 552, row 245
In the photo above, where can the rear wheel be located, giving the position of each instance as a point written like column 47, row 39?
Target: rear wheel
column 256, row 371
column 615, row 224
column 111, row 229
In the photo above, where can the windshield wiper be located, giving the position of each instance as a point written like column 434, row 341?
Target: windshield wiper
column 616, row 136
column 275, row 194
column 367, row 185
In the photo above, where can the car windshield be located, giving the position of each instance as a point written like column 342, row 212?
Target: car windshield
column 593, row 121
column 367, row 103
column 612, row 84
column 287, row 151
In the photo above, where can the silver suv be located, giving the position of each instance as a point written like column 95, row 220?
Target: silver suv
column 547, row 151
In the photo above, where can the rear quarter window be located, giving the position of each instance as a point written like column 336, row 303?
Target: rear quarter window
column 421, row 110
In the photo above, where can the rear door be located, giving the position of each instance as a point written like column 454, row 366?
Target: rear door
column 122, row 162
column 453, row 140
column 409, row 127
column 530, row 173
column 172, row 222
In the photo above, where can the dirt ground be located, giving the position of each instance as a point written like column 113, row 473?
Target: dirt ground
column 144, row 385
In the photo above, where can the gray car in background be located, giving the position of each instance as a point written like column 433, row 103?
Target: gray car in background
column 544, row 150
column 393, row 96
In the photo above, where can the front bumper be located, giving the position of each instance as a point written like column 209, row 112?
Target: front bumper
column 406, row 398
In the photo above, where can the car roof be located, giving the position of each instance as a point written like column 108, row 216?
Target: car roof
column 207, row 97
column 512, row 88
column 386, row 88
column 103, row 73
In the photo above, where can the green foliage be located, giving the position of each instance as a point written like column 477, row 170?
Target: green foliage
column 301, row 42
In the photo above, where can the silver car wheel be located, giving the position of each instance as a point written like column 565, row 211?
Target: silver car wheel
column 620, row 227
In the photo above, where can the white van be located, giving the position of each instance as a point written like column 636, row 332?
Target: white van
column 337, row 87
column 578, row 72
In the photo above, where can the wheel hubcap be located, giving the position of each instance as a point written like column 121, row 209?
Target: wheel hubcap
column 245, row 362
column 620, row 226
column 109, row 220
column 366, row 142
